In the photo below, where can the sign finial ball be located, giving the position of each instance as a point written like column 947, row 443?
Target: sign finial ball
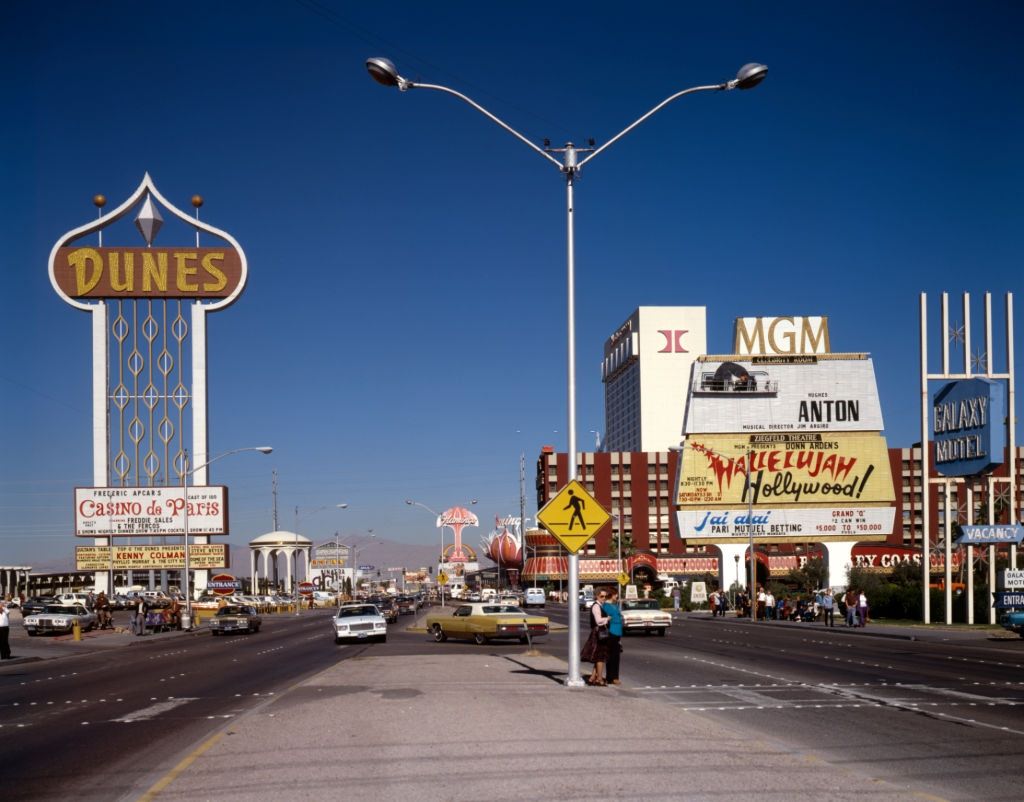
column 99, row 201
column 197, row 200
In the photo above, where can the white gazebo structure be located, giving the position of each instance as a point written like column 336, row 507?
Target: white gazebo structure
column 273, row 544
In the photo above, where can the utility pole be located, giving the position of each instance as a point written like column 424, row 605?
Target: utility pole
column 274, row 494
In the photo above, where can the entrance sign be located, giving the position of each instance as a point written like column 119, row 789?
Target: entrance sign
column 573, row 516
column 1007, row 599
column 222, row 584
column 698, row 592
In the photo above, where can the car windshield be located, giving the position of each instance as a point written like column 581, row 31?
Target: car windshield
column 233, row 609
column 353, row 612
column 641, row 604
column 498, row 609
column 57, row 609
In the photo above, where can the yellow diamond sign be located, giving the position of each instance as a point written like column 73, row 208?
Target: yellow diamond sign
column 442, row 578
column 573, row 516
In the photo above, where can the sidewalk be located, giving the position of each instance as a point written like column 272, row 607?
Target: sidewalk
column 924, row 632
column 492, row 727
column 27, row 649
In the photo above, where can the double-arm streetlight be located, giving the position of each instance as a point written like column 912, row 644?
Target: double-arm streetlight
column 440, row 526
column 186, row 472
column 384, row 72
column 295, row 548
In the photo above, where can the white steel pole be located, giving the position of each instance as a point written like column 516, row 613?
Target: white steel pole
column 926, row 573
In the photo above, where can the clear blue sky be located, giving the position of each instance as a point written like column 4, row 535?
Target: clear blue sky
column 403, row 330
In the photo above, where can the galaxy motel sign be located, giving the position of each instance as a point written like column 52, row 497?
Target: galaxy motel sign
column 968, row 430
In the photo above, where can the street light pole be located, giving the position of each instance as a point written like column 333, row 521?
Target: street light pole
column 295, row 549
column 384, row 72
column 186, row 620
column 436, row 515
column 749, row 489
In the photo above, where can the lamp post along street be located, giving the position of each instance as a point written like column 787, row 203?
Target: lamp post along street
column 295, row 550
column 384, row 72
column 749, row 490
column 186, row 619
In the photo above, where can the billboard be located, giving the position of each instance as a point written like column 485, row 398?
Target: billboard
column 200, row 556
column 786, row 334
column 783, row 393
column 149, row 511
column 786, row 469
column 968, row 419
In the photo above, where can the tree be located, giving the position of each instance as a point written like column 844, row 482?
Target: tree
column 628, row 549
column 812, row 576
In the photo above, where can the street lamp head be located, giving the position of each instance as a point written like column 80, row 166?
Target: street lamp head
column 264, row 449
column 341, row 506
column 749, row 75
column 384, row 72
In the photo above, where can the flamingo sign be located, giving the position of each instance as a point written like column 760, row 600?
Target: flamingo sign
column 456, row 518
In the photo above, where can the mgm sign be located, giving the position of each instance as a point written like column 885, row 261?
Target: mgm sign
column 148, row 300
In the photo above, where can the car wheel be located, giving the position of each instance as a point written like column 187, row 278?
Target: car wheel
column 383, row 638
column 661, row 632
column 479, row 639
column 32, row 634
column 524, row 641
column 337, row 640
column 214, row 632
column 439, row 635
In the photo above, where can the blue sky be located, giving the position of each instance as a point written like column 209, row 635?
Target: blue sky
column 403, row 331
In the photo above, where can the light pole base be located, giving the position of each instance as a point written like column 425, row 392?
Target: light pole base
column 186, row 622
column 575, row 683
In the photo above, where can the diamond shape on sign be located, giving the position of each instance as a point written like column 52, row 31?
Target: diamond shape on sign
column 573, row 516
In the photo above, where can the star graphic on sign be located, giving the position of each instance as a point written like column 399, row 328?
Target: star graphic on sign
column 980, row 361
column 956, row 333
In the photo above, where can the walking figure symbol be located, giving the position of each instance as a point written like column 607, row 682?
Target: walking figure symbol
column 577, row 505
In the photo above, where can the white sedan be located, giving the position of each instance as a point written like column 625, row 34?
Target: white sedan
column 59, row 618
column 645, row 615
column 359, row 622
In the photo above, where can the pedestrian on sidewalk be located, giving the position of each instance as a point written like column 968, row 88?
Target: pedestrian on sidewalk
column 677, row 596
column 611, row 609
column 828, row 605
column 139, row 616
column 5, row 632
column 850, row 603
column 595, row 650
column 862, row 609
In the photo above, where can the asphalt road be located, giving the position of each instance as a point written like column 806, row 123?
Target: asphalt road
column 107, row 722
column 946, row 711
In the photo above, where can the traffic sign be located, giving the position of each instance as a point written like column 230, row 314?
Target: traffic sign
column 442, row 578
column 573, row 516
column 305, row 588
column 623, row 578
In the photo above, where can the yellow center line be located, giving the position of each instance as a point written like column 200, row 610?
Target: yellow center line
column 187, row 761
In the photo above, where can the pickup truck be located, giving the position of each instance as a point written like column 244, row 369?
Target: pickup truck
column 1014, row 620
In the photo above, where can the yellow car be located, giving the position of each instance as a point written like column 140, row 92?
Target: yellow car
column 485, row 621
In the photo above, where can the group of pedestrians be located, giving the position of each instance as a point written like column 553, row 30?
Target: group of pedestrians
column 856, row 603
column 603, row 647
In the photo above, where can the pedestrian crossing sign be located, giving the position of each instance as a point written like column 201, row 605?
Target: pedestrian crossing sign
column 573, row 516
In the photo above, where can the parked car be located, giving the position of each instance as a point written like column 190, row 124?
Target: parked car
column 74, row 600
column 645, row 615
column 1014, row 621
column 236, row 618
column 36, row 604
column 482, row 622
column 585, row 598
column 359, row 622
column 534, row 597
column 13, row 603
column 59, row 618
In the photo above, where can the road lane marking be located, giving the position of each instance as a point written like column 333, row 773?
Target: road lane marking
column 173, row 774
column 155, row 710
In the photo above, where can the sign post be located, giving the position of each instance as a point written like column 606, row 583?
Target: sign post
column 574, row 517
